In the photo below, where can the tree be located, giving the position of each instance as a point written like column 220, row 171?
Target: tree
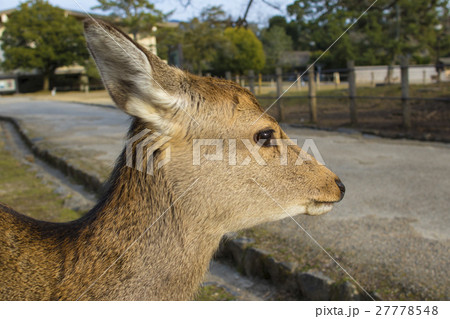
column 203, row 39
column 39, row 36
column 320, row 23
column 246, row 52
column 136, row 15
column 275, row 42
column 390, row 29
column 167, row 40
column 290, row 28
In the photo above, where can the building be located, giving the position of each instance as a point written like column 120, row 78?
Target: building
column 445, row 62
column 69, row 77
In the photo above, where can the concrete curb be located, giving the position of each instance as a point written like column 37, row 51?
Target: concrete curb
column 251, row 261
column 108, row 106
column 309, row 285
column 91, row 183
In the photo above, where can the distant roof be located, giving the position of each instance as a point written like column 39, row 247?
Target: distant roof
column 294, row 58
column 445, row 60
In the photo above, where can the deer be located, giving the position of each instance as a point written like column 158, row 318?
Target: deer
column 151, row 235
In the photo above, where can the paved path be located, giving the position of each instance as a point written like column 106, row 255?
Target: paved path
column 393, row 222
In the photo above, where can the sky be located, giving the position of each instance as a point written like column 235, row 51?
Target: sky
column 259, row 11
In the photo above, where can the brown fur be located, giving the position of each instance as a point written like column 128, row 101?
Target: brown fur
column 80, row 259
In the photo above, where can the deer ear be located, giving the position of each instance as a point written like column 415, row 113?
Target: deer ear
column 140, row 83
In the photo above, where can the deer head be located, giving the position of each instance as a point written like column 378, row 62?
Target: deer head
column 249, row 172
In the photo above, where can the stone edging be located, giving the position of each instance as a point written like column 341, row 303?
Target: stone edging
column 108, row 106
column 309, row 285
column 253, row 262
column 90, row 182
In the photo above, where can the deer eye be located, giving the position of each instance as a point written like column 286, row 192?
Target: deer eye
column 264, row 138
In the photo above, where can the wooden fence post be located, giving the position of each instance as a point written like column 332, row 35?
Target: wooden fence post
column 279, row 92
column 298, row 83
column 336, row 79
column 312, row 96
column 352, row 92
column 251, row 81
column 317, row 80
column 406, row 108
column 259, row 83
column 84, row 83
column 238, row 81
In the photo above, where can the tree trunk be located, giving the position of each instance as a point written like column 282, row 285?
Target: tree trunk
column 389, row 73
column 46, row 82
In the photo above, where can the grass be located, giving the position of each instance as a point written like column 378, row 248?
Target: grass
column 213, row 293
column 22, row 190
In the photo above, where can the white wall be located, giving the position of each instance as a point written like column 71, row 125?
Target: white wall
column 378, row 74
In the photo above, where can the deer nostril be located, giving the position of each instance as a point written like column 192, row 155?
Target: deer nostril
column 341, row 187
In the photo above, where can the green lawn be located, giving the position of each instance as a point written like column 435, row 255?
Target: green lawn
column 23, row 191
column 213, row 293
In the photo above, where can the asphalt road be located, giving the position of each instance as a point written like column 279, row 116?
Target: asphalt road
column 394, row 217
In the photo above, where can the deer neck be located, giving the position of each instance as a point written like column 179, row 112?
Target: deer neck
column 159, row 248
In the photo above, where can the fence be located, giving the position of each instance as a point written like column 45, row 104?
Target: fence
column 305, row 103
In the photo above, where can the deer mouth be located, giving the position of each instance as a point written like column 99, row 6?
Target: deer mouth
column 318, row 208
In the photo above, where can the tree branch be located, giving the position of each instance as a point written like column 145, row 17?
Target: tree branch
column 272, row 5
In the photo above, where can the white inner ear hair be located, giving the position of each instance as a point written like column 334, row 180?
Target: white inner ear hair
column 118, row 59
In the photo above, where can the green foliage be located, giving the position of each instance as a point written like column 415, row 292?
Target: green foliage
column 91, row 69
column 23, row 190
column 203, row 39
column 210, row 44
column 275, row 42
column 390, row 29
column 167, row 39
column 137, row 16
column 39, row 36
column 213, row 293
column 291, row 28
column 418, row 59
column 245, row 53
